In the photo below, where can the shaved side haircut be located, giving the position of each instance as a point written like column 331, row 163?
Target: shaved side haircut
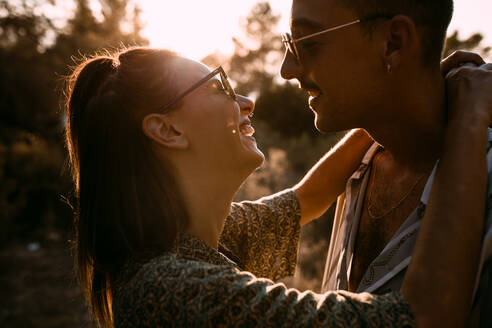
column 431, row 18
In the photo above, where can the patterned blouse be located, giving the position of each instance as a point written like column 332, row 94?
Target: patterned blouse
column 195, row 285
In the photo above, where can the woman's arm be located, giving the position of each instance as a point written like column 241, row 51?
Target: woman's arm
column 203, row 294
column 263, row 235
column 321, row 186
column 440, row 279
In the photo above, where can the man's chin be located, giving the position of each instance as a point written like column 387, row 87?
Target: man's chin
column 327, row 125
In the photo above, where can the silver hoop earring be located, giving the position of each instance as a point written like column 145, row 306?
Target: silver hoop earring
column 389, row 69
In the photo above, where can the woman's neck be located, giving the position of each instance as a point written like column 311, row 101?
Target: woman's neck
column 208, row 211
column 208, row 200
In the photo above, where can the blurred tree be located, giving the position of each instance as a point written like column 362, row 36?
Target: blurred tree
column 35, row 54
column 284, row 107
column 258, row 51
column 28, row 100
column 21, row 36
column 120, row 26
column 254, row 66
column 473, row 42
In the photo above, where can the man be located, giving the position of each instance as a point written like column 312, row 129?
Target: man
column 374, row 64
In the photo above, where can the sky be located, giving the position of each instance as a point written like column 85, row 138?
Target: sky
column 197, row 28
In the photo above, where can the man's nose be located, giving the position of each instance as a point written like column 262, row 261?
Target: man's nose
column 290, row 69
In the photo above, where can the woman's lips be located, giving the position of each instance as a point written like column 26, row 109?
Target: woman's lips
column 247, row 130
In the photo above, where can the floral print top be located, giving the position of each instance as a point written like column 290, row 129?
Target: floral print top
column 196, row 285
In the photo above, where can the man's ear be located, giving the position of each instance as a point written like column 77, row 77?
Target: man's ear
column 401, row 41
column 162, row 129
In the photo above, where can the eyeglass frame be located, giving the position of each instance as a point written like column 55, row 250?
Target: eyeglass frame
column 223, row 79
column 290, row 43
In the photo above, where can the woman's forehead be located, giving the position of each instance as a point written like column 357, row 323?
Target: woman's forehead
column 189, row 71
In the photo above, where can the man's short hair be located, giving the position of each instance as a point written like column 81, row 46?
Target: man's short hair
column 431, row 17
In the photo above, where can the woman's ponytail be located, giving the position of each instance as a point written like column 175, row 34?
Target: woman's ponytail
column 129, row 206
column 85, row 83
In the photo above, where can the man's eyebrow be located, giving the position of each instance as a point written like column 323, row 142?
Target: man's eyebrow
column 305, row 22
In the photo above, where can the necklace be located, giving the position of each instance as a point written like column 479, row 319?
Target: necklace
column 370, row 206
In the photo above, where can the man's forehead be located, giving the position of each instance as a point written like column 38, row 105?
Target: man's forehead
column 313, row 14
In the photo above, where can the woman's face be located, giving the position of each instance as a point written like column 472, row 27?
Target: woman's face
column 218, row 128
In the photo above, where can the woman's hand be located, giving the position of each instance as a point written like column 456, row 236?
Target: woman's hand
column 468, row 87
column 321, row 186
column 447, row 251
column 459, row 58
column 469, row 92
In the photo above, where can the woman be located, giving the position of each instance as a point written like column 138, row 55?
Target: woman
column 159, row 145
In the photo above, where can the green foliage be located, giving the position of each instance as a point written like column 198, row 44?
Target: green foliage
column 32, row 179
column 85, row 34
column 254, row 67
column 31, row 188
column 258, row 51
column 473, row 43
column 284, row 107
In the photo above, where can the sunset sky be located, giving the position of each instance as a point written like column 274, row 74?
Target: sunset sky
column 196, row 28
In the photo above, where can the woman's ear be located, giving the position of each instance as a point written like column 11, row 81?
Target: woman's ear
column 162, row 129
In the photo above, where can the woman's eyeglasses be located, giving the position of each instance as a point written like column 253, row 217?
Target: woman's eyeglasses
column 223, row 78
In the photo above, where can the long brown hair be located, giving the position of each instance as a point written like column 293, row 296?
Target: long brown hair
column 128, row 203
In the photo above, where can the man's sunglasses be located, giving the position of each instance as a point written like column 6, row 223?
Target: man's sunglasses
column 291, row 43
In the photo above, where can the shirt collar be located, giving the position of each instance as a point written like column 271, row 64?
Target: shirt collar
column 370, row 153
column 425, row 195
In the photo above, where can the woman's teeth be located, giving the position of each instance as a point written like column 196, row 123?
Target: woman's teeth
column 246, row 130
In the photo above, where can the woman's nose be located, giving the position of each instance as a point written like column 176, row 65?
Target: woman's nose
column 246, row 105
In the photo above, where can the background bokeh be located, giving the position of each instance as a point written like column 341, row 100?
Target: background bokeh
column 40, row 40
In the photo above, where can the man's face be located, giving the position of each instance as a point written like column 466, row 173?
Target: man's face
column 341, row 70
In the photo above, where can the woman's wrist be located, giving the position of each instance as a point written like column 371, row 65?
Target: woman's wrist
column 471, row 120
column 469, row 130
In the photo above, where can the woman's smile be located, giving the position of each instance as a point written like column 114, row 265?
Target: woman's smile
column 246, row 129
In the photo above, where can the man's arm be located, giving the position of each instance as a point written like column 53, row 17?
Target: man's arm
column 326, row 180
column 440, row 279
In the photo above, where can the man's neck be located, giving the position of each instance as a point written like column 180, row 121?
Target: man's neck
column 414, row 134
